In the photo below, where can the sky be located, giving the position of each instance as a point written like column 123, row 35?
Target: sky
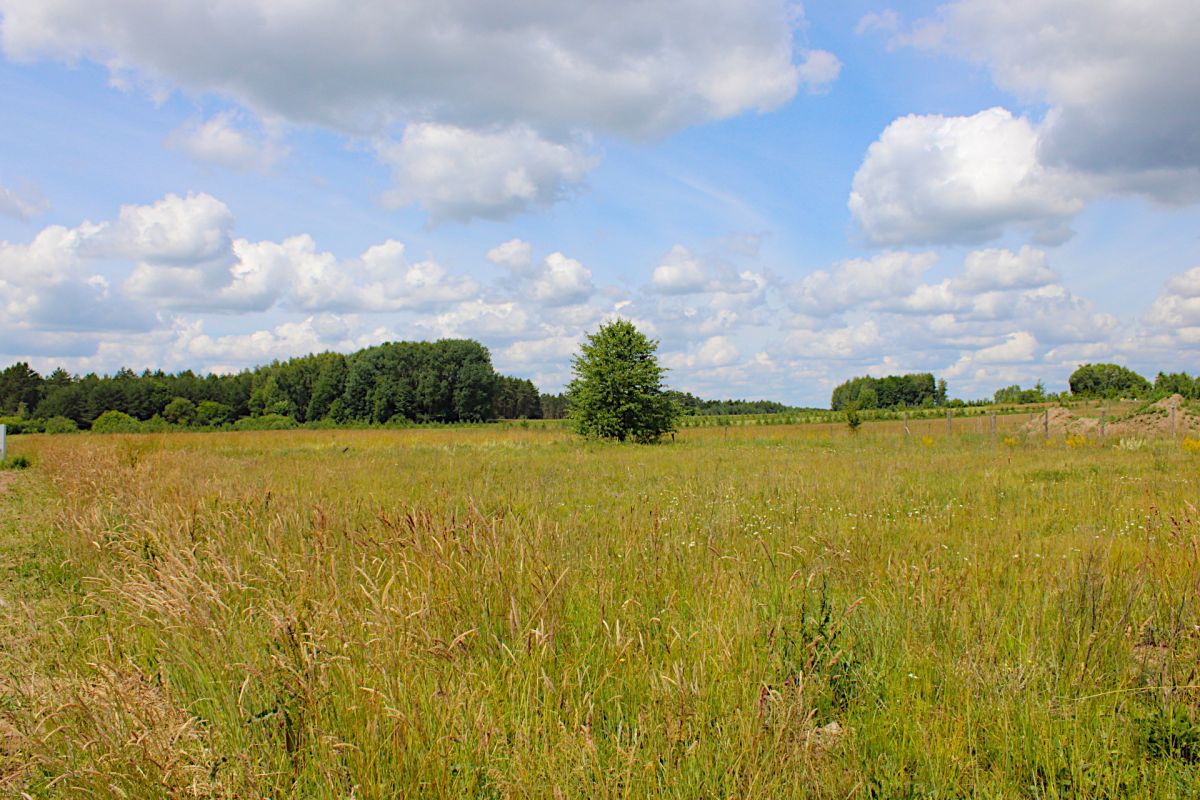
column 784, row 195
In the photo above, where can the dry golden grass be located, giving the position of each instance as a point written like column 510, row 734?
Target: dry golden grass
column 786, row 611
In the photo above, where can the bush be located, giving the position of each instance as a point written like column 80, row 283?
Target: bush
column 155, row 424
column 212, row 413
column 16, row 462
column 18, row 425
column 115, row 422
column 266, row 422
column 180, row 411
column 60, row 425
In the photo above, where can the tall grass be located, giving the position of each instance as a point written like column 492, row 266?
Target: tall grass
column 790, row 611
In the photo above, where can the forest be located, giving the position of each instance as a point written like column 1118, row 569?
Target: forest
column 447, row 381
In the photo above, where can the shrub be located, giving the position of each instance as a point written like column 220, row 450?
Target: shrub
column 115, row 422
column 266, row 422
column 180, row 411
column 60, row 425
column 210, row 412
column 1191, row 445
column 16, row 462
column 18, row 425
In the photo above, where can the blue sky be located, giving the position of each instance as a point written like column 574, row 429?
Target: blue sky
column 786, row 196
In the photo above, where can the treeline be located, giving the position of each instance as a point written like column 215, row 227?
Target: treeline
column 696, row 407
column 447, row 381
column 1016, row 396
column 916, row 390
column 1114, row 381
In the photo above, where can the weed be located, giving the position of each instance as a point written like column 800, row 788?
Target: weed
column 1172, row 733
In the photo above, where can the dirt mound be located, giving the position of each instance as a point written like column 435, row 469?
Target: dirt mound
column 1166, row 417
column 1062, row 423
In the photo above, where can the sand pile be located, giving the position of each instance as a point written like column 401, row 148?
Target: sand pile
column 1165, row 417
column 1062, row 423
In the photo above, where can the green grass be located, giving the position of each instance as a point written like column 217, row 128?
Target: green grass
column 782, row 611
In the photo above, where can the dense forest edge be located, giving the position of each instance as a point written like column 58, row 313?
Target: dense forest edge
column 450, row 381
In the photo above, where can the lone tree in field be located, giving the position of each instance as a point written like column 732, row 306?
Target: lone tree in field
column 617, row 392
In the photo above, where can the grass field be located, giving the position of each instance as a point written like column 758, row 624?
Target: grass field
column 784, row 611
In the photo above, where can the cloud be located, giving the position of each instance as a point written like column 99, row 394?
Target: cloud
column 24, row 205
column 220, row 140
column 498, row 104
column 679, row 273
column 935, row 179
column 457, row 174
column 174, row 230
column 715, row 351
column 886, row 20
column 483, row 319
column 551, row 350
column 181, row 256
column 858, row 281
column 515, row 254
column 295, row 273
column 310, row 335
column 1020, row 347
column 138, row 290
column 1177, row 307
column 563, row 281
column 49, row 285
column 849, row 342
column 1120, row 79
column 988, row 270
column 631, row 67
column 818, row 70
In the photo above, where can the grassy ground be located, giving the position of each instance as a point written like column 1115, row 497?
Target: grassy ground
column 784, row 611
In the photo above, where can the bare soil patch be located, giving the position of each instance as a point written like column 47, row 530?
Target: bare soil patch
column 1166, row 417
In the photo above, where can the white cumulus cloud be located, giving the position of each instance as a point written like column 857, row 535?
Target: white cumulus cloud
column 221, row 140
column 1121, row 80
column 456, row 174
column 934, row 179
column 632, row 67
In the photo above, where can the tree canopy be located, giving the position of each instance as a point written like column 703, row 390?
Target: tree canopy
column 451, row 380
column 617, row 391
column 1107, row 380
column 892, row 391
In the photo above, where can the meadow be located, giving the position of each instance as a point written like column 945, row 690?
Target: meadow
column 493, row 612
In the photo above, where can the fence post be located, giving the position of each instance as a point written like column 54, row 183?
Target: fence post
column 993, row 426
column 1102, row 415
column 948, row 422
column 3, row 443
column 1173, row 428
column 1046, row 423
column 906, row 431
